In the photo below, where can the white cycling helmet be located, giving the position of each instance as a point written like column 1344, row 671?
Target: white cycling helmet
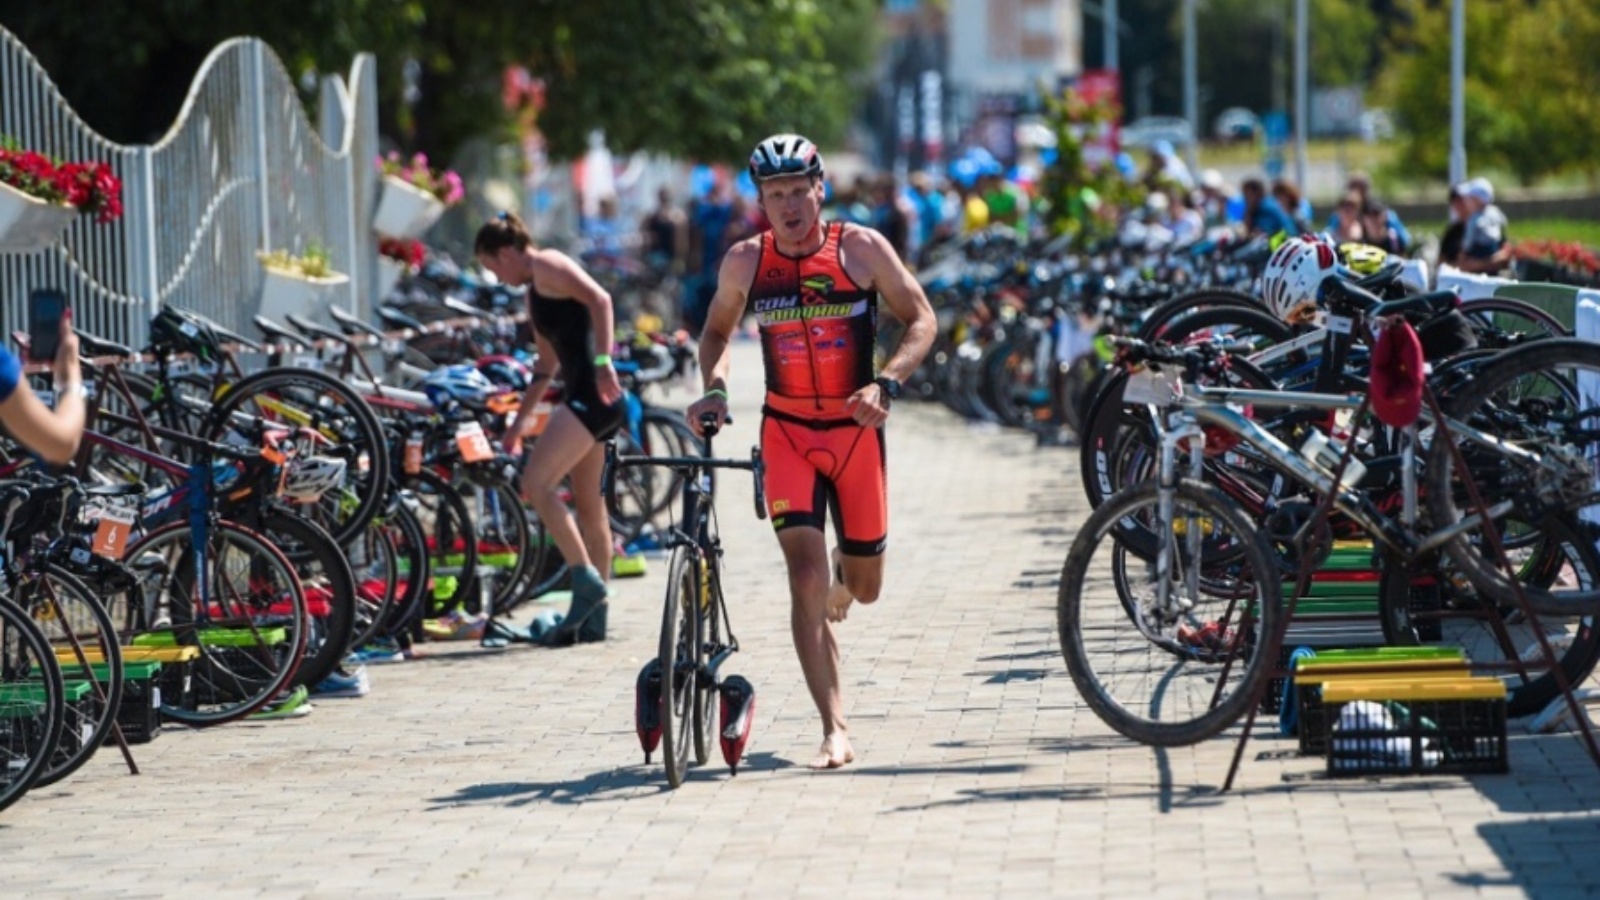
column 785, row 154
column 1293, row 275
column 462, row 383
column 308, row 478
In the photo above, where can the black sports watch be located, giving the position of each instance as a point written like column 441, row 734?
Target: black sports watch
column 891, row 387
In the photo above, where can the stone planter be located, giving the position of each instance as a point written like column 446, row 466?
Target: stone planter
column 389, row 272
column 28, row 224
column 284, row 292
column 405, row 211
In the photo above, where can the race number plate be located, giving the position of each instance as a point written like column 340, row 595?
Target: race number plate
column 474, row 443
column 1147, row 386
column 111, row 535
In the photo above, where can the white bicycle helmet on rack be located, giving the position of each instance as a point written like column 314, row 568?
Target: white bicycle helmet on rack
column 1293, row 275
column 309, row 477
column 462, row 383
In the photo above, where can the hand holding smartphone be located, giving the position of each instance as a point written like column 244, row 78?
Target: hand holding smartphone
column 46, row 309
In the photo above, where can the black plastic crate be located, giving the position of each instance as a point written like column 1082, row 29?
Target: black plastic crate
column 139, row 714
column 1415, row 736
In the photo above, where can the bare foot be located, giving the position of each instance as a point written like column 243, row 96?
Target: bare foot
column 835, row 753
column 839, row 598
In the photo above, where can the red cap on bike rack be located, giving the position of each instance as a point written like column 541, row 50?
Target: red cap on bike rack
column 1397, row 375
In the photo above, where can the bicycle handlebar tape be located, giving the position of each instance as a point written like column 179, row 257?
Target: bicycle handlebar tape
column 647, row 707
column 1397, row 374
column 738, row 714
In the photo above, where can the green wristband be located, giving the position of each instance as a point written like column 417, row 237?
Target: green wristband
column 717, row 392
column 602, row 359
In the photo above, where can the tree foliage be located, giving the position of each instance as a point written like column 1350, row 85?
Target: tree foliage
column 704, row 79
column 1531, row 105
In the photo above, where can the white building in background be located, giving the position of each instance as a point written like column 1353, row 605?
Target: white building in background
column 1000, row 52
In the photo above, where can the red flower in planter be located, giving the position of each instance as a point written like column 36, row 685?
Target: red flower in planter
column 90, row 186
column 405, row 250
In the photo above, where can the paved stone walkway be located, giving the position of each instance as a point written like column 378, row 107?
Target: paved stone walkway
column 980, row 772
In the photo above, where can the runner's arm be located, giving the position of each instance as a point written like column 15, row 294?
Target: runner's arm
column 902, row 294
column 727, row 307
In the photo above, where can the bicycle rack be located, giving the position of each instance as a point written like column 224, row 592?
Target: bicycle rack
column 1274, row 643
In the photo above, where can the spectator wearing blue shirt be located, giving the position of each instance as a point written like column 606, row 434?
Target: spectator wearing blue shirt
column 1290, row 201
column 1262, row 214
column 52, row 434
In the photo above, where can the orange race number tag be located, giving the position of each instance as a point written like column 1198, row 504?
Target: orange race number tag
column 411, row 463
column 111, row 535
column 540, row 418
column 473, row 442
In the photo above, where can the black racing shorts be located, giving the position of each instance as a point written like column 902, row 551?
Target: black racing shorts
column 602, row 421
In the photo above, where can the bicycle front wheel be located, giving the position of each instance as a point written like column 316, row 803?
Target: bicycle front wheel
column 679, row 660
column 1166, row 647
column 239, row 603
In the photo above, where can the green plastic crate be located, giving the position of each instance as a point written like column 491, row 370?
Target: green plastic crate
column 217, row 637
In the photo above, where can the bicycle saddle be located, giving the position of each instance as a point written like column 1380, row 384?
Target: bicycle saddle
column 91, row 345
column 313, row 329
column 235, row 337
column 351, row 325
column 466, row 309
column 398, row 319
column 277, row 332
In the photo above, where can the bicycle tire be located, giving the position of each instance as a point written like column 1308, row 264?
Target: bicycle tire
column 411, row 547
column 32, row 726
column 445, row 520
column 1252, row 550
column 325, row 575
column 230, row 682
column 83, row 731
column 375, row 560
column 1165, row 313
column 678, row 626
column 1541, row 358
column 345, row 417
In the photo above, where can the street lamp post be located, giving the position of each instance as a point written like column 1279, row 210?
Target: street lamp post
column 1191, row 81
column 1301, row 78
column 1108, row 31
column 1458, row 92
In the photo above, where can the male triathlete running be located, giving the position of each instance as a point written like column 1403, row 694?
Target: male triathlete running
column 814, row 287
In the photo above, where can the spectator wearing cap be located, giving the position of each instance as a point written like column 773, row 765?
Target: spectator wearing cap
column 1360, row 183
column 1484, row 248
column 1450, row 242
column 1262, row 214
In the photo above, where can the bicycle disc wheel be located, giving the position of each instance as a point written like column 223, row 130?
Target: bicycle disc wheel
column 1174, row 670
column 679, row 638
column 32, row 703
column 68, row 614
column 246, row 615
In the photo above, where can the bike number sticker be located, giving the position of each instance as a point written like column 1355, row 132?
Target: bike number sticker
column 1147, row 386
column 308, row 362
column 111, row 535
column 412, row 461
column 473, row 442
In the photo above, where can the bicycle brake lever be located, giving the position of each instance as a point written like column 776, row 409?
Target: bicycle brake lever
column 758, row 468
column 609, row 469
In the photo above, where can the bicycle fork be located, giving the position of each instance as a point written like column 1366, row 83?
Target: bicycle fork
column 1178, row 428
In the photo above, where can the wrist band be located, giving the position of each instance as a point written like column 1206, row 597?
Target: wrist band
column 717, row 392
column 602, row 359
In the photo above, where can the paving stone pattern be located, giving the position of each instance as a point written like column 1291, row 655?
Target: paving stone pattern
column 980, row 772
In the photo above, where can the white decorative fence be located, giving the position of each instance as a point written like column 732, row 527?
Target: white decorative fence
column 241, row 170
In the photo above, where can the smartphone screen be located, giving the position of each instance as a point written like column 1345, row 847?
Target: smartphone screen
column 45, row 308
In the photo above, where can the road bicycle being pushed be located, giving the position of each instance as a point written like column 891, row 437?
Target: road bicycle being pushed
column 674, row 691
